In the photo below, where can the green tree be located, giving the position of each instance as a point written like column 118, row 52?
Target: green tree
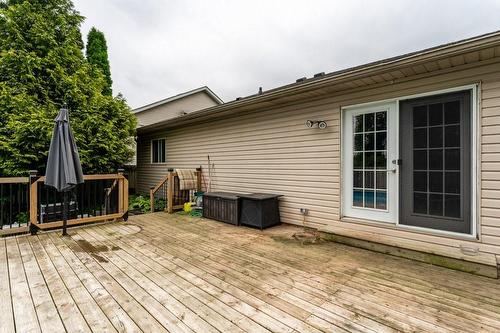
column 42, row 67
column 97, row 55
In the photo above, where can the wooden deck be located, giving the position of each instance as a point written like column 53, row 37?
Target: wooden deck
column 169, row 273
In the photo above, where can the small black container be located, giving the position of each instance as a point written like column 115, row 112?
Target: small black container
column 222, row 206
column 260, row 210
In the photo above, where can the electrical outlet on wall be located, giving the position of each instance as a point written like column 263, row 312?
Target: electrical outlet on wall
column 304, row 211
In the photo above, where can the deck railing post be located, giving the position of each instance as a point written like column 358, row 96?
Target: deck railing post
column 198, row 179
column 121, row 209
column 125, row 193
column 33, row 200
column 152, row 198
column 170, row 192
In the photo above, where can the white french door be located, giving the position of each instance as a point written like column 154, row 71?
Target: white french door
column 369, row 162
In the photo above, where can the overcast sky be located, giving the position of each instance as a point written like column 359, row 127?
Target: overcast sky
column 159, row 48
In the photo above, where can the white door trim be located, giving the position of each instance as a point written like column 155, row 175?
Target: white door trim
column 475, row 156
column 389, row 215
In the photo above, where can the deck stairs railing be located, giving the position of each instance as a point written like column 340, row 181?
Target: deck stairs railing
column 168, row 189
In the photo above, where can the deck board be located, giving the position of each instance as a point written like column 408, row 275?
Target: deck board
column 7, row 324
column 48, row 317
column 105, row 300
column 172, row 273
column 24, row 310
column 67, row 306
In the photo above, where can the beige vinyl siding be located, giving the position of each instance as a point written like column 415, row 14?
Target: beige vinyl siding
column 173, row 109
column 490, row 163
column 271, row 150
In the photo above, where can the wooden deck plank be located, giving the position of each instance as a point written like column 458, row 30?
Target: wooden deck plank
column 146, row 279
column 295, row 300
column 213, row 230
column 287, row 294
column 333, row 268
column 132, row 307
column 48, row 317
column 7, row 324
column 197, row 285
column 186, row 281
column 25, row 316
column 116, row 314
column 179, row 274
column 89, row 308
column 155, row 317
column 191, row 273
column 66, row 306
column 452, row 319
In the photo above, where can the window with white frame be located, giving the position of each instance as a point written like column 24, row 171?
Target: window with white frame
column 158, row 151
column 409, row 161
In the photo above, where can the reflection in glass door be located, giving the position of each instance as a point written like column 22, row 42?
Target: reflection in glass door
column 370, row 160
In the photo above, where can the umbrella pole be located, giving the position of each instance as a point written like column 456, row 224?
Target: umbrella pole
column 65, row 213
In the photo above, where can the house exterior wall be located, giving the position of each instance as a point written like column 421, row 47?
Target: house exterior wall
column 271, row 150
column 194, row 102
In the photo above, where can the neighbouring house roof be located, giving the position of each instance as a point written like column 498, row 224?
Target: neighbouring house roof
column 395, row 69
column 204, row 89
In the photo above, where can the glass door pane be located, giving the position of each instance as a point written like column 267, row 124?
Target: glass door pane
column 370, row 160
column 435, row 174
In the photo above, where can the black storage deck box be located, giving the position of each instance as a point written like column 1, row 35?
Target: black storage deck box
column 260, row 210
column 222, row 206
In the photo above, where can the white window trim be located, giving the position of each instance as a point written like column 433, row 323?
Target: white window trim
column 151, row 151
column 475, row 164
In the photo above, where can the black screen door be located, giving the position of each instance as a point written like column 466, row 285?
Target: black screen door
column 435, row 172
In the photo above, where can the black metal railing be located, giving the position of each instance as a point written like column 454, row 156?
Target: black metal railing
column 158, row 196
column 14, row 203
column 27, row 204
column 96, row 197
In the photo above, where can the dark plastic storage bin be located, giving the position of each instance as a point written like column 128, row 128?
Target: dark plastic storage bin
column 221, row 206
column 260, row 210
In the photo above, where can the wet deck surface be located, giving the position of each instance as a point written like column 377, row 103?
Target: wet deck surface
column 162, row 272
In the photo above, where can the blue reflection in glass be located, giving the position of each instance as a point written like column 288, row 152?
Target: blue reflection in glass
column 357, row 198
column 369, row 199
column 381, row 200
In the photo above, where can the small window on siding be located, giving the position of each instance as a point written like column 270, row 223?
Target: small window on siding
column 158, row 151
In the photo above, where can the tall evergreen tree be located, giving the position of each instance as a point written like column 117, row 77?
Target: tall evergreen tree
column 97, row 55
column 42, row 67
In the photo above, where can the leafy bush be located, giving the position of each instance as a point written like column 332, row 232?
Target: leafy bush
column 160, row 204
column 23, row 218
column 141, row 203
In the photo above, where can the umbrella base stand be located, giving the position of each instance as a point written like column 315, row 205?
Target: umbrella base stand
column 33, row 229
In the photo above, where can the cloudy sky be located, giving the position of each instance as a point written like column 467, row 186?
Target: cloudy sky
column 159, row 48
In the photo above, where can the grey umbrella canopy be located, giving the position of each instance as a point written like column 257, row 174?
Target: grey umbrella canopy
column 63, row 171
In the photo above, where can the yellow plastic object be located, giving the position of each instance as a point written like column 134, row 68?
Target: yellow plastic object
column 187, row 207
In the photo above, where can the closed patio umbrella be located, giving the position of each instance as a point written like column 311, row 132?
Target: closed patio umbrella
column 63, row 171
